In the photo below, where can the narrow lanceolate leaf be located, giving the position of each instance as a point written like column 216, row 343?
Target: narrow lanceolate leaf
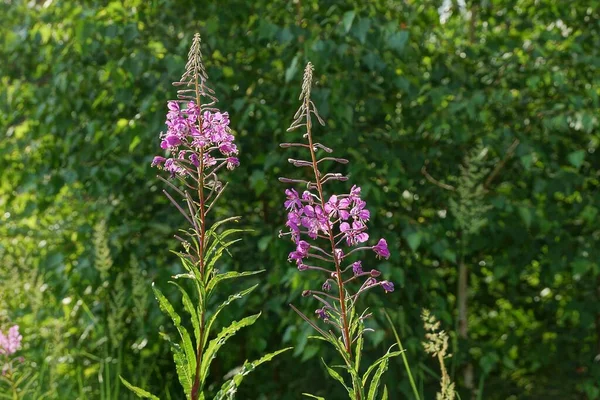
column 212, row 259
column 189, row 307
column 141, row 393
column 333, row 373
column 217, row 224
column 358, row 350
column 215, row 344
column 312, row 396
column 229, row 388
column 228, row 275
column 356, row 381
column 384, row 396
column 376, row 364
column 218, row 239
column 187, row 345
column 374, row 387
column 227, row 302
column 184, row 372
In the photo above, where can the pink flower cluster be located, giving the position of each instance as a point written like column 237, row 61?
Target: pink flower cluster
column 185, row 141
column 11, row 342
column 342, row 216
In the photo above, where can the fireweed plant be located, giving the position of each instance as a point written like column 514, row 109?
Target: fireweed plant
column 9, row 344
column 329, row 231
column 199, row 144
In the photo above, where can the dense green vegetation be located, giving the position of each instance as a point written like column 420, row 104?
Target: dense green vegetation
column 474, row 139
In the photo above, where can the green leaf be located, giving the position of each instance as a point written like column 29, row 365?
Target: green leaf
column 229, row 388
column 134, row 143
column 398, row 40
column 374, row 387
column 141, row 393
column 384, row 396
column 312, row 396
column 216, row 239
column 229, row 275
column 333, row 373
column 212, row 260
column 525, row 214
column 359, row 349
column 229, row 300
column 291, row 71
column 361, row 29
column 404, row 359
column 414, row 240
column 215, row 344
column 213, row 229
column 182, row 367
column 576, row 158
column 188, row 305
column 188, row 348
column 376, row 364
column 347, row 20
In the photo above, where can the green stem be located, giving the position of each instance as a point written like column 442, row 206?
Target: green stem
column 194, row 395
column 404, row 359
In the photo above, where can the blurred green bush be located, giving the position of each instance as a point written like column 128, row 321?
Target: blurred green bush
column 83, row 90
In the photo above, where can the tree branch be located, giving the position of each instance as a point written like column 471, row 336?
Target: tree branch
column 501, row 164
column 435, row 181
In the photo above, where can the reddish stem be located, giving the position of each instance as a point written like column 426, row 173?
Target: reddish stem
column 340, row 282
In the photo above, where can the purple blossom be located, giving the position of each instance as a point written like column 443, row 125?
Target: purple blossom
column 354, row 234
column 381, row 249
column 308, row 196
column 321, row 313
column 359, row 212
column 158, row 160
column 357, row 268
column 209, row 160
column 293, row 222
column 232, row 162
column 11, row 342
column 185, row 141
column 387, row 286
column 326, row 286
column 301, row 251
column 194, row 159
column 337, row 207
column 293, row 201
column 354, row 193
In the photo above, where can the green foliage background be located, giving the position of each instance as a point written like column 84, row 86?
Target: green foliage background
column 83, row 90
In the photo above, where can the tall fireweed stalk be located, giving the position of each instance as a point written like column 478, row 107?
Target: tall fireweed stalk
column 199, row 145
column 330, row 235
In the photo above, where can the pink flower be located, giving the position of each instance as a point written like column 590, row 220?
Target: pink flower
column 387, row 286
column 381, row 249
column 10, row 343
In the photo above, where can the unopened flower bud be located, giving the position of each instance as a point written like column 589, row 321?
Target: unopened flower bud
column 375, row 273
column 306, row 293
column 302, row 267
